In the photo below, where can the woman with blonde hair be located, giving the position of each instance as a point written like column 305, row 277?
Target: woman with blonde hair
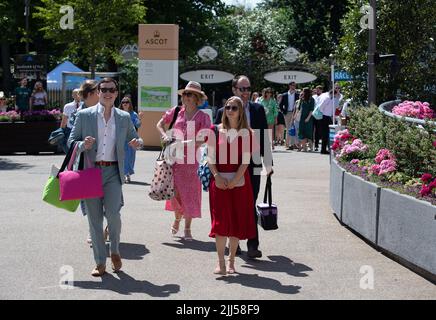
column 187, row 201
column 38, row 99
column 230, row 192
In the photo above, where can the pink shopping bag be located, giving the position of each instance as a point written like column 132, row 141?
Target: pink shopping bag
column 81, row 184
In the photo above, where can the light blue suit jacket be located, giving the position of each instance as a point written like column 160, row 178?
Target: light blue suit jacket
column 86, row 125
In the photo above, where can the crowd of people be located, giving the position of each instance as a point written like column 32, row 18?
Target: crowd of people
column 108, row 136
column 290, row 117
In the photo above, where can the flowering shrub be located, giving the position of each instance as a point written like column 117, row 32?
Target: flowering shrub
column 428, row 185
column 43, row 115
column 414, row 109
column 9, row 116
column 391, row 152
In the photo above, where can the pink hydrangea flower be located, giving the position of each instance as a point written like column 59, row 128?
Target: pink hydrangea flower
column 355, row 161
column 414, row 109
column 426, row 177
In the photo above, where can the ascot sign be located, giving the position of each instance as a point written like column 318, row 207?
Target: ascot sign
column 207, row 76
column 285, row 77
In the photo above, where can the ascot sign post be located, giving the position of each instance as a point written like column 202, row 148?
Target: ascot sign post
column 158, row 70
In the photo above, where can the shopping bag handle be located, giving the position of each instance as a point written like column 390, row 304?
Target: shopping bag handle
column 268, row 191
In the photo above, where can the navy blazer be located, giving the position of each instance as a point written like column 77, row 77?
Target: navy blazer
column 257, row 121
column 283, row 105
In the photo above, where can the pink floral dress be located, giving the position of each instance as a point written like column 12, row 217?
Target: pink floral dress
column 186, row 182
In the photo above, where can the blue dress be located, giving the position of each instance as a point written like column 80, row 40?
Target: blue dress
column 130, row 153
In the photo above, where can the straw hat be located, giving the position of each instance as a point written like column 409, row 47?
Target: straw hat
column 194, row 87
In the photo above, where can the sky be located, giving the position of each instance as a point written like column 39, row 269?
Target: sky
column 248, row 3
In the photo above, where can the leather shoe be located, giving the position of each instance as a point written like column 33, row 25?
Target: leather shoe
column 116, row 262
column 254, row 253
column 99, row 270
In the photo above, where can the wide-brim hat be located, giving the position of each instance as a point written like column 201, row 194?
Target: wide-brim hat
column 194, row 87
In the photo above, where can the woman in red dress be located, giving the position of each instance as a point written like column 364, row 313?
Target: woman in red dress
column 230, row 193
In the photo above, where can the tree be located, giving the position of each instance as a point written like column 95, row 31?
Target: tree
column 101, row 27
column 192, row 18
column 318, row 26
column 404, row 28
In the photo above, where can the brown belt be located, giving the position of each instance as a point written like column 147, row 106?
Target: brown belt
column 106, row 163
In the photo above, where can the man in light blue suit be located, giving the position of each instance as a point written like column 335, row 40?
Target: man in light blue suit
column 102, row 131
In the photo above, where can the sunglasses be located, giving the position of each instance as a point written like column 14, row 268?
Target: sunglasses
column 233, row 108
column 244, row 89
column 188, row 94
column 111, row 90
column 124, row 102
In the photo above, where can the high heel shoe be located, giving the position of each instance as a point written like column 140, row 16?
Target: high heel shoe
column 231, row 269
column 221, row 268
column 175, row 229
column 188, row 235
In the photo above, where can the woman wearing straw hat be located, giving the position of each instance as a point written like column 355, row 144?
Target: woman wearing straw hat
column 187, row 201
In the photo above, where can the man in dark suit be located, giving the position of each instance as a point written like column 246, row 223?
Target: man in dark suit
column 257, row 121
column 286, row 106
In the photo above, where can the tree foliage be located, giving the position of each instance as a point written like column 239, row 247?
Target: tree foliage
column 318, row 24
column 404, row 28
column 101, row 27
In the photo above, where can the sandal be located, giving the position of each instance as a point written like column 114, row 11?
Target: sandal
column 188, row 235
column 221, row 268
column 231, row 269
column 174, row 230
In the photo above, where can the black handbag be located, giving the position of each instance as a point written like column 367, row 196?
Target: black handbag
column 267, row 211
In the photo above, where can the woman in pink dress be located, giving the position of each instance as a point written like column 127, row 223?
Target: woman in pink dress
column 187, row 201
column 230, row 192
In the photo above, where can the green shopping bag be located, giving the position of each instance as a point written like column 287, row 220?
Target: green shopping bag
column 51, row 193
column 51, row 196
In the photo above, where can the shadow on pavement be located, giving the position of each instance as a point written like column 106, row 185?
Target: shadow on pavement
column 131, row 251
column 192, row 245
column 127, row 285
column 278, row 264
column 255, row 281
column 6, row 164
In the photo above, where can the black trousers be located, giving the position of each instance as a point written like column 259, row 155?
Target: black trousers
column 255, row 183
column 317, row 134
column 325, row 122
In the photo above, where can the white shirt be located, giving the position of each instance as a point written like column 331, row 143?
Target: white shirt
column 106, row 136
column 291, row 100
column 326, row 103
column 69, row 109
column 316, row 98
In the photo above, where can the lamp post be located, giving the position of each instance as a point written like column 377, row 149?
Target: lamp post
column 332, row 78
column 372, row 85
column 26, row 14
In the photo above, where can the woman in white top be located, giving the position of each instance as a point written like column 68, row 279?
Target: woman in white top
column 38, row 99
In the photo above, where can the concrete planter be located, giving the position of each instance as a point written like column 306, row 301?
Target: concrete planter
column 398, row 224
column 360, row 206
column 336, row 188
column 407, row 228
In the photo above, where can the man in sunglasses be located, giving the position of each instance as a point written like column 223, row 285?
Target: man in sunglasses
column 102, row 131
column 257, row 120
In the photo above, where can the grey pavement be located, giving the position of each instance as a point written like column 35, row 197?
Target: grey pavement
column 310, row 256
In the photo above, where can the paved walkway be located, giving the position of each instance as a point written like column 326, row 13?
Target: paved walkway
column 311, row 256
